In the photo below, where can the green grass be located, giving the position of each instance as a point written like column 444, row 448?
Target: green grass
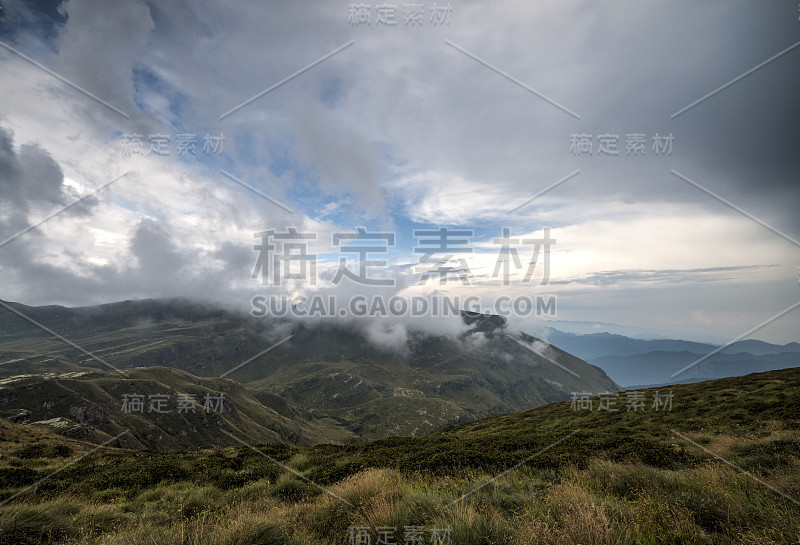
column 623, row 478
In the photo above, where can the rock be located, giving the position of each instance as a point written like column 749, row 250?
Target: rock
column 23, row 417
column 89, row 415
column 77, row 432
column 57, row 422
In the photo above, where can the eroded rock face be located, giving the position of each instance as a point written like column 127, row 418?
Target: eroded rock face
column 57, row 422
column 88, row 415
column 78, row 432
column 23, row 417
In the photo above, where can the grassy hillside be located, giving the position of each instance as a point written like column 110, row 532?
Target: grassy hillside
column 576, row 476
column 343, row 386
column 98, row 406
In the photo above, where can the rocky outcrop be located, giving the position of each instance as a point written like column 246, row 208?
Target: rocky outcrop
column 22, row 417
column 88, row 415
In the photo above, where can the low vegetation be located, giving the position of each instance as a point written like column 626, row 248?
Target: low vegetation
column 552, row 475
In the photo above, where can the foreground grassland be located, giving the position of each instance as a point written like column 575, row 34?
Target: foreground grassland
column 627, row 477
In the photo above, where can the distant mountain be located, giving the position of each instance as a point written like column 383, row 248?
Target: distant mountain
column 324, row 383
column 634, row 332
column 760, row 348
column 658, row 366
column 632, row 362
column 595, row 345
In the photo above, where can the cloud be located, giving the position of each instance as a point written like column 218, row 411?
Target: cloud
column 153, row 249
column 391, row 337
column 669, row 276
column 99, row 44
column 341, row 157
column 402, row 130
column 29, row 176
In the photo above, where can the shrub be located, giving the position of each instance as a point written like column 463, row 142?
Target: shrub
column 14, row 477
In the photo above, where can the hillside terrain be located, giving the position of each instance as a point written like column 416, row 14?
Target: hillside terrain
column 719, row 465
column 98, row 406
column 322, row 383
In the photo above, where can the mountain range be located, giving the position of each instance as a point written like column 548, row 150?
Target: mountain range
column 193, row 368
column 81, row 370
column 637, row 362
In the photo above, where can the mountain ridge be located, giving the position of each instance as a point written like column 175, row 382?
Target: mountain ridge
column 318, row 381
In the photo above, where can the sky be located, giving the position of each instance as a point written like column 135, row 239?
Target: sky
column 655, row 143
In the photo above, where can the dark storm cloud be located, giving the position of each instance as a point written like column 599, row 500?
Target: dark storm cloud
column 626, row 67
column 29, row 175
column 742, row 143
column 20, row 18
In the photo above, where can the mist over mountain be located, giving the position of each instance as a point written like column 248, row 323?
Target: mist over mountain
column 302, row 382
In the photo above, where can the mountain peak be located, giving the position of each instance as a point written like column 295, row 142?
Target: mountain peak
column 485, row 323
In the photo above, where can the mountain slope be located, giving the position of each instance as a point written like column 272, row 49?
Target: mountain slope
column 99, row 406
column 548, row 476
column 328, row 372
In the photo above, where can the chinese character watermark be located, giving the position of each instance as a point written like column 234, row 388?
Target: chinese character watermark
column 284, row 255
column 442, row 241
column 635, row 144
column 508, row 255
column 388, row 535
column 411, row 14
column 351, row 243
column 395, row 306
column 291, row 261
column 634, row 401
column 185, row 402
column 159, row 144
